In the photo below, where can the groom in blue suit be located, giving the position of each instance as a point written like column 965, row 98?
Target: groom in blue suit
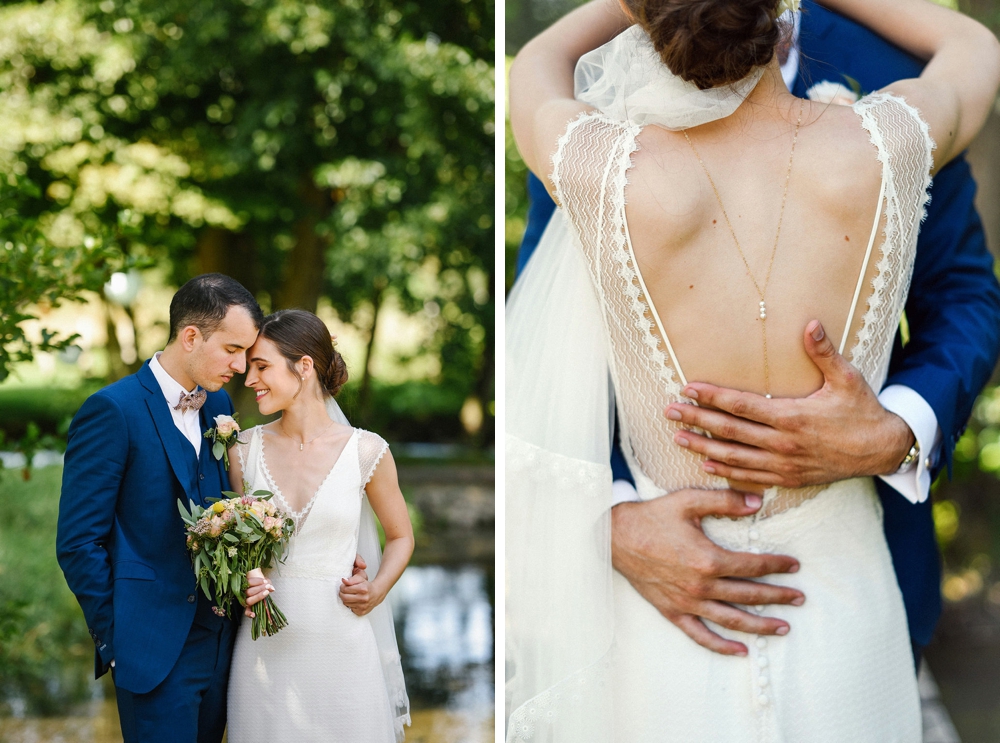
column 134, row 449
column 953, row 313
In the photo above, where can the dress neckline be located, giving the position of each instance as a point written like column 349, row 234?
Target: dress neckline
column 299, row 516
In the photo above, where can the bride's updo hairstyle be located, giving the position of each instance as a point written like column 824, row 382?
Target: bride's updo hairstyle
column 710, row 42
column 298, row 333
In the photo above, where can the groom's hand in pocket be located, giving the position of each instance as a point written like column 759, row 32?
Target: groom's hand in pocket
column 838, row 432
column 659, row 546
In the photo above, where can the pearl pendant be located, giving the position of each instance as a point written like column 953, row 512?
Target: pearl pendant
column 763, row 310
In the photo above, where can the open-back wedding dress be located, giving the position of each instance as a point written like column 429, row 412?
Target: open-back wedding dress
column 589, row 659
column 329, row 676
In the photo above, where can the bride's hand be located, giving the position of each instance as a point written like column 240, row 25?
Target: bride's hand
column 359, row 594
column 359, row 566
column 258, row 588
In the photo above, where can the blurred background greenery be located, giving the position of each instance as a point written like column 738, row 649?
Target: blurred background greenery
column 332, row 156
column 965, row 656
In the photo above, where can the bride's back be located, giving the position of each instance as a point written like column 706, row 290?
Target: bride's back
column 690, row 264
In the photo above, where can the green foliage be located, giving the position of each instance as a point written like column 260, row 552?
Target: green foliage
column 303, row 148
column 515, row 200
column 46, row 654
column 50, row 409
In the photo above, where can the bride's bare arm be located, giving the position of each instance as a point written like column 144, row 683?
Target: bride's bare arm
column 235, row 472
column 541, row 79
column 358, row 593
column 958, row 87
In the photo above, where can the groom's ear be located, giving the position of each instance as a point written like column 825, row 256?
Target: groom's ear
column 187, row 337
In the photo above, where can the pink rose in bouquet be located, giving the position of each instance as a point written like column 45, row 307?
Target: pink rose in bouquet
column 230, row 538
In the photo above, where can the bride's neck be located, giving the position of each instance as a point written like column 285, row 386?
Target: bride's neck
column 305, row 418
column 770, row 99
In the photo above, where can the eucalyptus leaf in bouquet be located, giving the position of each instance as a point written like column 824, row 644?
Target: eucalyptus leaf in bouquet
column 228, row 539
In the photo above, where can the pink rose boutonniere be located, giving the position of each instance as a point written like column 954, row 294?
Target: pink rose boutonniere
column 223, row 436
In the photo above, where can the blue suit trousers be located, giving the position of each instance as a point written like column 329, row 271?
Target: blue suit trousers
column 189, row 705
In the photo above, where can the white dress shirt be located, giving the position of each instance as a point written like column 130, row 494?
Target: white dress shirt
column 188, row 422
column 914, row 485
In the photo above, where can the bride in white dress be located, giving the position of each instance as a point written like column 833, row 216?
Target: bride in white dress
column 333, row 673
column 706, row 215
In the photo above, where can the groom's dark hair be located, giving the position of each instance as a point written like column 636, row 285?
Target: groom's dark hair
column 204, row 301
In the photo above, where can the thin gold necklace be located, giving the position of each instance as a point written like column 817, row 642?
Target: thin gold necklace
column 302, row 444
column 761, row 291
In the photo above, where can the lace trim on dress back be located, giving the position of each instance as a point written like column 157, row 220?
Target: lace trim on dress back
column 590, row 169
column 904, row 145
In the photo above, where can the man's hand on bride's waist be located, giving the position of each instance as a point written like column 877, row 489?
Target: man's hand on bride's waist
column 659, row 546
column 839, row 431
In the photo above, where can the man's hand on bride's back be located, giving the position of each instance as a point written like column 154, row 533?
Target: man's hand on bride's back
column 838, row 432
column 659, row 546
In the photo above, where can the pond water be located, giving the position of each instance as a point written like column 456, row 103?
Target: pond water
column 444, row 624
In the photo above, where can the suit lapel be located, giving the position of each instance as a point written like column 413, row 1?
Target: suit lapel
column 170, row 437
column 214, row 406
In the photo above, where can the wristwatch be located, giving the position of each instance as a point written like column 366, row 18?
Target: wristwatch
column 910, row 460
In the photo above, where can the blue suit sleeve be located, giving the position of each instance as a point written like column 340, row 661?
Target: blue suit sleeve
column 96, row 455
column 953, row 308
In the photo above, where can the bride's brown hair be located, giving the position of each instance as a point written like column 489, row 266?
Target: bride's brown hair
column 710, row 42
column 298, row 333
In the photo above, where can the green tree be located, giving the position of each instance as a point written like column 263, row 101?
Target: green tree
column 277, row 141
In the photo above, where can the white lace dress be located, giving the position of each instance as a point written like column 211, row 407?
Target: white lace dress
column 320, row 678
column 845, row 671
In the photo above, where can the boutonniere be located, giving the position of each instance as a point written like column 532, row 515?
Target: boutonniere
column 223, row 436
column 831, row 92
column 788, row 6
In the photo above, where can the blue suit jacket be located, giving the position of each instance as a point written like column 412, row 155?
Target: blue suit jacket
column 121, row 541
column 953, row 308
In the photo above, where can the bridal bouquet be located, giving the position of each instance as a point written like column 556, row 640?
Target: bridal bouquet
column 230, row 538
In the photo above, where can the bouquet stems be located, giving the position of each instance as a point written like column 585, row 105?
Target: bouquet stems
column 267, row 618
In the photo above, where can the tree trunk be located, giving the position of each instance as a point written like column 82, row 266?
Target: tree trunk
column 117, row 368
column 486, row 376
column 233, row 254
column 364, row 392
column 306, row 267
column 137, row 363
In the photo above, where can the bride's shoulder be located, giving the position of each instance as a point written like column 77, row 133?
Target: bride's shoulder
column 246, row 435
column 371, row 449
column 368, row 440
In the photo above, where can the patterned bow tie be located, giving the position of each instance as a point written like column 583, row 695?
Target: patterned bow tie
column 191, row 400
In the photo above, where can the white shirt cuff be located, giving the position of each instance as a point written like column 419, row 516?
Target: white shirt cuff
column 622, row 491
column 914, row 485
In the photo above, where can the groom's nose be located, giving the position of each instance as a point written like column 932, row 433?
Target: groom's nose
column 239, row 363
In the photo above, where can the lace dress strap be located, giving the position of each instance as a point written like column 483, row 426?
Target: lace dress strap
column 371, row 449
column 903, row 144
